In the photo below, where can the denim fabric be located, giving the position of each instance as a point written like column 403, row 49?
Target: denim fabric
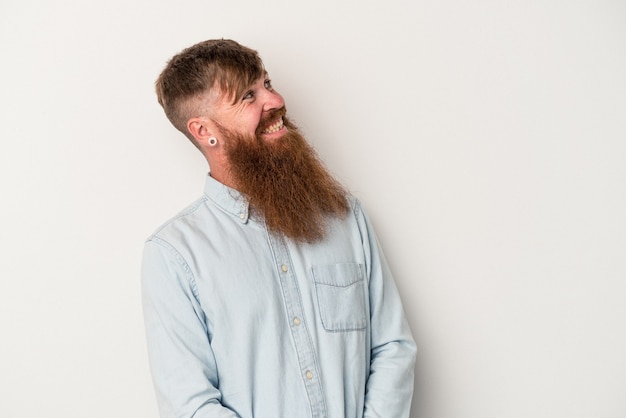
column 244, row 323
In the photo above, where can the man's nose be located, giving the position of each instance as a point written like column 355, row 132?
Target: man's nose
column 273, row 100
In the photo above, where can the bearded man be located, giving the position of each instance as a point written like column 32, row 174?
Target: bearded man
column 269, row 296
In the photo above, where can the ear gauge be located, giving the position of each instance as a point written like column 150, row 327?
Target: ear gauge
column 212, row 141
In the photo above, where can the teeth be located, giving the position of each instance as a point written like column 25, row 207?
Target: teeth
column 274, row 127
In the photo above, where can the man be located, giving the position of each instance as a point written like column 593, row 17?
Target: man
column 268, row 297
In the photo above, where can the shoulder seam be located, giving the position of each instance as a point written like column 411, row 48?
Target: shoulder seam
column 181, row 260
column 185, row 212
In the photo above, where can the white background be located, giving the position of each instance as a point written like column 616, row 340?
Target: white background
column 486, row 139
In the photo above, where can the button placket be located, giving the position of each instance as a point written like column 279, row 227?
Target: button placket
column 305, row 351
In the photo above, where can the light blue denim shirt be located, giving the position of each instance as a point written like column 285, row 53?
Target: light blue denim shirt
column 244, row 323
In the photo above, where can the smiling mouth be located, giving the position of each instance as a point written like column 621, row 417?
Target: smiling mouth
column 274, row 127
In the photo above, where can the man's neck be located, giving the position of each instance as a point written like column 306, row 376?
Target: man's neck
column 219, row 171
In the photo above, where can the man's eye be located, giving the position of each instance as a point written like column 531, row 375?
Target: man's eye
column 268, row 84
column 248, row 95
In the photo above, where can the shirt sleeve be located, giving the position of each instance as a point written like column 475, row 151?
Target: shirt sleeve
column 389, row 387
column 181, row 359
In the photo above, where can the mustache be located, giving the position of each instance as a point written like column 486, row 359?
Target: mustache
column 270, row 118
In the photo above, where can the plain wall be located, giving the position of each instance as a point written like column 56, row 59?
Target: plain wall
column 486, row 139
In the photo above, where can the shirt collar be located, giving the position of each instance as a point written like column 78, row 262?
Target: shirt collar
column 229, row 199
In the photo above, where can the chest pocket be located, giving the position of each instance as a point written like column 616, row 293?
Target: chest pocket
column 340, row 290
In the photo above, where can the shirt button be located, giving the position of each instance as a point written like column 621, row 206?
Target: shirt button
column 309, row 374
column 296, row 321
column 284, row 268
column 242, row 215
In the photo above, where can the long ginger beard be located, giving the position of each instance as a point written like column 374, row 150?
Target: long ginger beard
column 285, row 181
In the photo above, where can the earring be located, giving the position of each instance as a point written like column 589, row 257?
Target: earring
column 212, row 141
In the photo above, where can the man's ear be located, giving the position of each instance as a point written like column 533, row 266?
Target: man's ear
column 201, row 129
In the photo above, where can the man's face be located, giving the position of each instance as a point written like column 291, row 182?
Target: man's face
column 258, row 113
column 268, row 160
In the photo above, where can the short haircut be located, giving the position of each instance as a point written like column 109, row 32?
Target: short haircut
column 219, row 63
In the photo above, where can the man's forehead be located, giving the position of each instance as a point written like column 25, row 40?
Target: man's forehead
column 263, row 76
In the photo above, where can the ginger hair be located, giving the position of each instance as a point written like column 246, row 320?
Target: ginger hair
column 183, row 86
